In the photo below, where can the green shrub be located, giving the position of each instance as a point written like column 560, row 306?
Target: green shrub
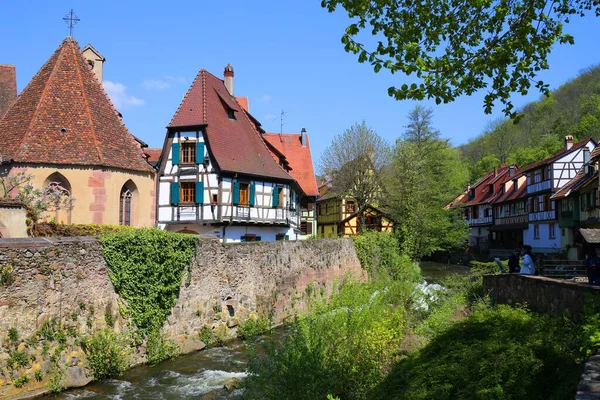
column 379, row 253
column 19, row 358
column 44, row 229
column 160, row 348
column 252, row 327
column 343, row 348
column 107, row 354
column 13, row 335
column 38, row 375
column 21, row 381
column 496, row 353
column 206, row 335
column 48, row 330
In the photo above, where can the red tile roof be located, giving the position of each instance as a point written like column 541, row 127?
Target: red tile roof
column 64, row 116
column 298, row 157
column 153, row 154
column 482, row 192
column 8, row 87
column 511, row 194
column 580, row 181
column 243, row 101
column 558, row 155
column 235, row 144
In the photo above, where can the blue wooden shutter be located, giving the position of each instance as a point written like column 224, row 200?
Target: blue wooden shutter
column 200, row 192
column 199, row 152
column 275, row 196
column 174, row 192
column 252, row 194
column 175, row 153
column 236, row 193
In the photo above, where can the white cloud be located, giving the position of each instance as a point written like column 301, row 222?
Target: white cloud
column 119, row 96
column 165, row 83
column 265, row 98
column 150, row 84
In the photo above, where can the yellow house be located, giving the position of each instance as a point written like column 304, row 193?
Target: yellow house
column 64, row 130
column 338, row 216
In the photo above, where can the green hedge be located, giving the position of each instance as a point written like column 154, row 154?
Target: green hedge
column 46, row 229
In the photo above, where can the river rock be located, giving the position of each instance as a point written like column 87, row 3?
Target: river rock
column 232, row 383
column 76, row 377
column 191, row 345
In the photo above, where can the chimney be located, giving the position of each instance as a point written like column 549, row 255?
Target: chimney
column 228, row 74
column 303, row 137
column 586, row 160
column 8, row 87
column 511, row 171
column 495, row 171
column 568, row 142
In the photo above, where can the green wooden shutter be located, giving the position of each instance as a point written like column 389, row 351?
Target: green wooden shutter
column 200, row 192
column 252, row 194
column 199, row 152
column 275, row 196
column 175, row 153
column 236, row 193
column 174, row 192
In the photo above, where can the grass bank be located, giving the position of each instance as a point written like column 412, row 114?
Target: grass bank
column 390, row 339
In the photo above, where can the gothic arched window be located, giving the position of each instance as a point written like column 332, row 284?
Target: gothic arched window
column 125, row 207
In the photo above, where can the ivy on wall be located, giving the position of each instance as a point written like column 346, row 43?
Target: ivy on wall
column 146, row 268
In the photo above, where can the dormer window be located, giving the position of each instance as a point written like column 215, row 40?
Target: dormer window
column 491, row 188
column 515, row 185
column 230, row 113
column 472, row 193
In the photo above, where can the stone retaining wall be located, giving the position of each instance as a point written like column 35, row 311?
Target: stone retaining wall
column 544, row 295
column 65, row 282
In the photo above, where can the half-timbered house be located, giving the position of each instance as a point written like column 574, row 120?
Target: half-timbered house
column 296, row 150
column 217, row 176
column 338, row 215
column 510, row 213
column 544, row 179
column 476, row 205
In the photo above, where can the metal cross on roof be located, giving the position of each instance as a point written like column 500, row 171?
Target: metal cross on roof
column 71, row 19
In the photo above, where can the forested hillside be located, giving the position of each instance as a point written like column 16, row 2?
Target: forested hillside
column 573, row 108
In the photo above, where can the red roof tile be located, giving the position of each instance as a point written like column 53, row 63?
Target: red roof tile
column 482, row 193
column 8, row 87
column 235, row 144
column 64, row 116
column 243, row 102
column 298, row 157
column 511, row 194
column 153, row 154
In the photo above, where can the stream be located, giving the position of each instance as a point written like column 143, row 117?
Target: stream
column 199, row 374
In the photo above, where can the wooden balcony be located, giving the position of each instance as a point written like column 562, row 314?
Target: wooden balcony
column 517, row 219
column 480, row 221
column 542, row 216
column 539, row 187
column 226, row 213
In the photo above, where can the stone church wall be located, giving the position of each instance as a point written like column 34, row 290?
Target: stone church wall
column 66, row 280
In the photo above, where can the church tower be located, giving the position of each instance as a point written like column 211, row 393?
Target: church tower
column 94, row 59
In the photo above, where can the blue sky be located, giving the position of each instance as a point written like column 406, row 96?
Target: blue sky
column 287, row 55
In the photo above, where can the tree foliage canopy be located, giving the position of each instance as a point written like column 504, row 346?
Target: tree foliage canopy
column 456, row 47
column 355, row 161
column 427, row 173
column 573, row 108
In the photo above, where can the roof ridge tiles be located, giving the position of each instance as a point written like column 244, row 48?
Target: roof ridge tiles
column 87, row 104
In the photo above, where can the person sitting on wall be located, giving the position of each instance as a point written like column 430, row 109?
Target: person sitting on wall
column 592, row 268
column 528, row 262
column 513, row 262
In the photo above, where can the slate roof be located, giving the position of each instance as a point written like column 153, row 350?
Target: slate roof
column 235, row 144
column 64, row 116
column 8, row 87
column 558, row 155
column 298, row 158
